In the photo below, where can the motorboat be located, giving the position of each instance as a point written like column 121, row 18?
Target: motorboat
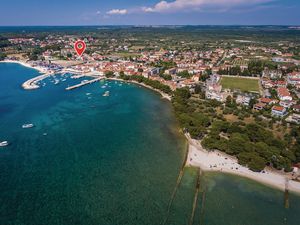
column 4, row 143
column 106, row 94
column 26, row 126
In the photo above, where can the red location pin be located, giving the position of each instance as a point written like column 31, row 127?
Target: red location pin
column 80, row 47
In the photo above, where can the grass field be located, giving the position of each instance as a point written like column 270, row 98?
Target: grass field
column 243, row 84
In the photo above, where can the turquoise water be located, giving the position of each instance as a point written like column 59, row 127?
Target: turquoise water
column 110, row 160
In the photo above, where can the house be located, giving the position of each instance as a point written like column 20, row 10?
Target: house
column 286, row 104
column 284, row 94
column 219, row 96
column 278, row 111
column 259, row 106
column 243, row 100
column 281, row 83
column 267, row 83
column 273, row 74
column 294, row 118
column 296, row 108
column 293, row 78
column 267, row 101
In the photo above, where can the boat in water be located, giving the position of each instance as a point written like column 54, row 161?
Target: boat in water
column 4, row 143
column 106, row 94
column 26, row 126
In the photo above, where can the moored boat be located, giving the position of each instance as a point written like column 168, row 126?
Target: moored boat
column 4, row 143
column 106, row 94
column 26, row 126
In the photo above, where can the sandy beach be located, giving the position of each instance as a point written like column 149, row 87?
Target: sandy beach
column 40, row 69
column 220, row 162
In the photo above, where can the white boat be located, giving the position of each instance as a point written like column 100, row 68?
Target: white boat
column 26, row 126
column 4, row 143
column 103, row 86
column 106, row 94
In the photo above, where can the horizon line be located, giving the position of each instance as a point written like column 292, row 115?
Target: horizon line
column 166, row 25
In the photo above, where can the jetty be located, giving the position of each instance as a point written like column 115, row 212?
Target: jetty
column 83, row 83
column 32, row 83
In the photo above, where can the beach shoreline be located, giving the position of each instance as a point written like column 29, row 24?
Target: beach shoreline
column 216, row 161
column 163, row 95
column 197, row 156
column 25, row 64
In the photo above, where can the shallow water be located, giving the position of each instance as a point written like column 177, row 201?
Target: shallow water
column 104, row 160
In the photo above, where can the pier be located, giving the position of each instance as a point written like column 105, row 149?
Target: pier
column 83, row 83
column 32, row 83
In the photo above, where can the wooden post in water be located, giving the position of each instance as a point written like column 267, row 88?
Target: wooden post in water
column 196, row 196
column 202, row 206
column 286, row 194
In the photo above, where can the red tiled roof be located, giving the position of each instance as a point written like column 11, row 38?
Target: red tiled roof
column 265, row 100
column 296, row 107
column 283, row 91
column 278, row 108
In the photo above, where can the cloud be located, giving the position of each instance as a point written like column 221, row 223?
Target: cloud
column 117, row 12
column 191, row 5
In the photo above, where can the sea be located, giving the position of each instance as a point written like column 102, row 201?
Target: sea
column 114, row 160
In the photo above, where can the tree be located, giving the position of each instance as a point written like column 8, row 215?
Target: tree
column 184, row 74
column 2, row 56
column 109, row 74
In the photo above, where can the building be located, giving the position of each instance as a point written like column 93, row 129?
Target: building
column 243, row 100
column 296, row 108
column 172, row 71
column 286, row 104
column 259, row 106
column 219, row 96
column 294, row 78
column 267, row 101
column 278, row 111
column 284, row 94
column 294, row 118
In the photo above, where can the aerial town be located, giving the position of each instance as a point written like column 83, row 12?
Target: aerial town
column 271, row 74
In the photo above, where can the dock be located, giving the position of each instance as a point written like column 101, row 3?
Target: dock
column 32, row 83
column 83, row 83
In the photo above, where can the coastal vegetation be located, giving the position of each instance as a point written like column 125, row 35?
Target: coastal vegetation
column 252, row 143
column 152, row 83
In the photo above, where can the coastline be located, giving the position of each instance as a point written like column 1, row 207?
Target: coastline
column 217, row 161
column 163, row 95
column 197, row 156
column 39, row 69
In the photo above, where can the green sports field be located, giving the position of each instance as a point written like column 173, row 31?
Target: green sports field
column 243, row 84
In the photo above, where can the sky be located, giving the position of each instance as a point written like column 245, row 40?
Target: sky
column 149, row 12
